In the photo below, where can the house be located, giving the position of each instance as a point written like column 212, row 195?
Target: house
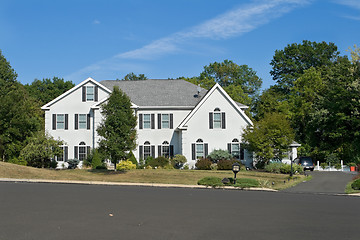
column 174, row 117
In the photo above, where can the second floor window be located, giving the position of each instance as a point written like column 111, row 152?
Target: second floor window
column 217, row 119
column 89, row 93
column 146, row 121
column 82, row 121
column 60, row 121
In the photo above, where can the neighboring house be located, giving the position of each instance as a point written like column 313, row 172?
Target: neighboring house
column 174, row 117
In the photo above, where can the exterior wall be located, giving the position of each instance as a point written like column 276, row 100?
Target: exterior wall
column 72, row 104
column 198, row 126
column 157, row 136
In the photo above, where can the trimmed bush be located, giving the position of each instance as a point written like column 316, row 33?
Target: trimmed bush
column 273, row 167
column 125, row 165
column 210, row 181
column 246, row 183
column 157, row 162
column 73, row 163
column 203, row 164
column 356, row 184
column 218, row 155
column 226, row 164
column 132, row 158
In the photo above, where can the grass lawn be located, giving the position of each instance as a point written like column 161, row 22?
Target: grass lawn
column 186, row 177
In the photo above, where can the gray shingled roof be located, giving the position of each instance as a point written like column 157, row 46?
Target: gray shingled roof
column 155, row 92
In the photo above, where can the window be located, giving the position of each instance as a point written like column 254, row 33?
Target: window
column 165, row 121
column 82, row 121
column 236, row 149
column 81, row 151
column 147, row 121
column 147, row 150
column 64, row 155
column 217, row 119
column 60, row 121
column 165, row 149
column 199, row 149
column 90, row 93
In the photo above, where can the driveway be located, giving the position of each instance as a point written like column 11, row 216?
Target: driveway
column 324, row 183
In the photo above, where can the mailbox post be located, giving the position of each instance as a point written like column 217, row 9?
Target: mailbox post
column 235, row 169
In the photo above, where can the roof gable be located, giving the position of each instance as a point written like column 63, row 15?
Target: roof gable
column 183, row 124
column 49, row 104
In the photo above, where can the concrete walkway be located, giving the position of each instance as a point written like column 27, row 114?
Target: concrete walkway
column 324, row 183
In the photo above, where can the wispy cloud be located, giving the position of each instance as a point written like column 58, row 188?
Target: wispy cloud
column 238, row 21
column 96, row 22
column 350, row 3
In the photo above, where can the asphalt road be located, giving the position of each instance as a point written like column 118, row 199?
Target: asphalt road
column 66, row 211
column 324, row 183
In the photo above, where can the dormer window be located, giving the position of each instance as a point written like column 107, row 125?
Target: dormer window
column 217, row 119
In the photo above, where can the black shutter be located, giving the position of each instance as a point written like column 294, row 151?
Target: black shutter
column 193, row 151
column 152, row 121
column 141, row 153
column 76, row 121
column 140, row 121
column 76, row 148
column 229, row 147
column 88, row 121
column 211, row 122
column 171, row 151
column 223, row 120
column 153, row 151
column 159, row 151
column 87, row 150
column 96, row 94
column 84, row 94
column 66, row 121
column 171, row 121
column 66, row 153
column 206, row 149
column 159, row 121
column 54, row 121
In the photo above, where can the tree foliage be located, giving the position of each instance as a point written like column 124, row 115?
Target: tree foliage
column 133, row 77
column 40, row 149
column 20, row 116
column 269, row 138
column 290, row 63
column 47, row 89
column 118, row 127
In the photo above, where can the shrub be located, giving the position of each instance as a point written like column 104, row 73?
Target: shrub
column 218, row 155
column 356, row 184
column 226, row 164
column 157, row 162
column 273, row 167
column 101, row 167
column 210, row 181
column 125, row 165
column 246, row 183
column 203, row 164
column 18, row 161
column 323, row 165
column 283, row 168
column 337, row 166
column 73, row 163
column 178, row 161
column 132, row 158
column 53, row 164
column 95, row 158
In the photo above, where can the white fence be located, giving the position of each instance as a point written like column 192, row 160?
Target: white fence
column 343, row 168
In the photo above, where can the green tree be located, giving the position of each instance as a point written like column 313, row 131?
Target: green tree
column 40, row 149
column 47, row 89
column 133, row 77
column 269, row 138
column 118, row 127
column 20, row 116
column 290, row 63
column 228, row 73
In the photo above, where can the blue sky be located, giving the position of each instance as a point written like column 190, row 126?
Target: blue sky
column 106, row 39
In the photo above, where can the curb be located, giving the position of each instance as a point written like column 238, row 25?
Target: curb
column 162, row 185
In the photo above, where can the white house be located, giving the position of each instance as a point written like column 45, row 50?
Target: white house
column 174, row 117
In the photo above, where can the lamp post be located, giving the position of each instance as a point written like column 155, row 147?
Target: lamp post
column 235, row 169
column 291, row 167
